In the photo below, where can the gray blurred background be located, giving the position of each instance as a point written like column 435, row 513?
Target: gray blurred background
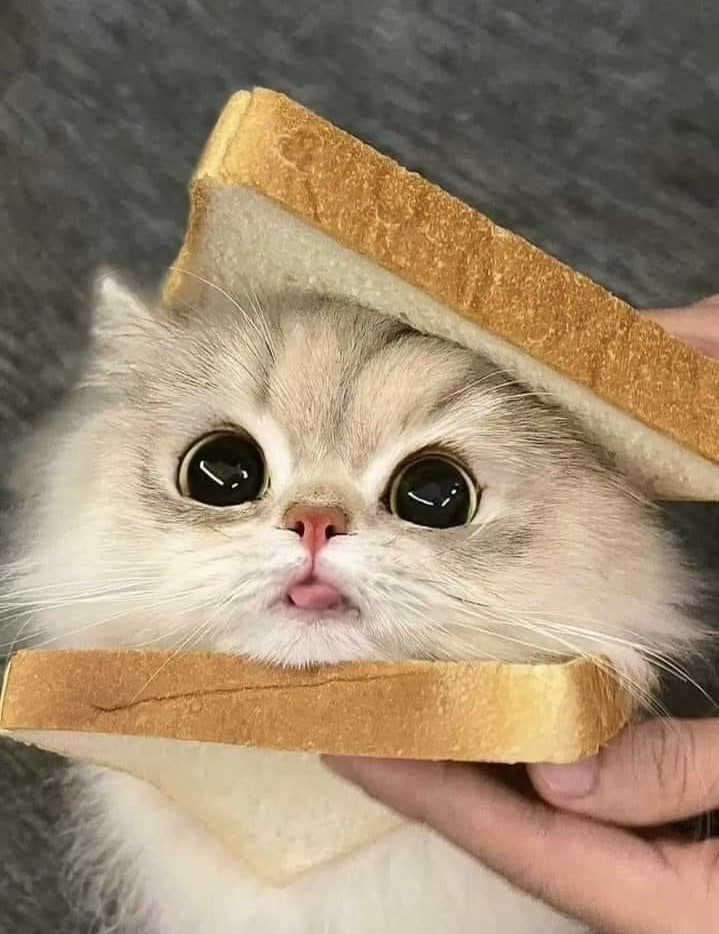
column 589, row 126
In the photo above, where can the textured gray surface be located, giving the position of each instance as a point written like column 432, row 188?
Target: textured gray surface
column 591, row 126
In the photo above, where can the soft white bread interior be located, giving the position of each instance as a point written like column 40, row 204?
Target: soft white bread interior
column 279, row 814
column 281, row 196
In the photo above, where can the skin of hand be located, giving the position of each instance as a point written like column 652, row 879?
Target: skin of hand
column 587, row 838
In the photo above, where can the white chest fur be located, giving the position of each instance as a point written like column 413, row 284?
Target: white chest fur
column 177, row 879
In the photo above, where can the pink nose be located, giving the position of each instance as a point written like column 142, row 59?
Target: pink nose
column 315, row 525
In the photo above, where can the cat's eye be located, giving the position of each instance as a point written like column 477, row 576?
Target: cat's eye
column 433, row 491
column 223, row 469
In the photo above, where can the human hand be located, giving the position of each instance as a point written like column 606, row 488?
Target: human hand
column 587, row 843
column 581, row 846
column 697, row 324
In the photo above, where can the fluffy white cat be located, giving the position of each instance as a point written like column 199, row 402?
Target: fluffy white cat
column 305, row 482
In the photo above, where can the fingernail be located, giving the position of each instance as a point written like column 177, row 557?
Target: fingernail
column 573, row 780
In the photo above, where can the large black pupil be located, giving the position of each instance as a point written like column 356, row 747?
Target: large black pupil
column 434, row 493
column 226, row 471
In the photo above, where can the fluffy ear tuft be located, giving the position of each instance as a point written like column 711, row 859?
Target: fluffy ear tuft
column 118, row 311
column 122, row 326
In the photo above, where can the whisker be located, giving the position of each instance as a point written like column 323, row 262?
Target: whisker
column 263, row 334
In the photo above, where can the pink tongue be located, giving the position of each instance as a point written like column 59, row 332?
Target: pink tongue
column 314, row 596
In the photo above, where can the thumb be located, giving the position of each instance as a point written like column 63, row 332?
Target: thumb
column 653, row 773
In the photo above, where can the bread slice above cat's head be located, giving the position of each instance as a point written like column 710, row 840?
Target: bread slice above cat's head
column 282, row 197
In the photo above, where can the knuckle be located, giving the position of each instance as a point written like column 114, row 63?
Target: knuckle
column 532, row 873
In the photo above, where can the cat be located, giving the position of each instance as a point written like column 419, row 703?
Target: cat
column 303, row 480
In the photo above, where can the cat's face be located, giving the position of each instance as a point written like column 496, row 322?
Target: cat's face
column 308, row 482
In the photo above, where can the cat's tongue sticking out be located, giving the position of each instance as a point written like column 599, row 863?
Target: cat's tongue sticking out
column 315, row 525
column 314, row 594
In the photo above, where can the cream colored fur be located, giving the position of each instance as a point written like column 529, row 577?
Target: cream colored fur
column 561, row 557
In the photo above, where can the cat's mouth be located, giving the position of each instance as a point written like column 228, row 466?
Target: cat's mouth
column 314, row 597
column 312, row 618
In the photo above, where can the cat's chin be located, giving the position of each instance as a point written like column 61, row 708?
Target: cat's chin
column 293, row 639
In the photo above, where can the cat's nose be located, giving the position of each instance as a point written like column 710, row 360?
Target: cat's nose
column 315, row 525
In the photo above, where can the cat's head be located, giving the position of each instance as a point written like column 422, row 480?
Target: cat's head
column 302, row 480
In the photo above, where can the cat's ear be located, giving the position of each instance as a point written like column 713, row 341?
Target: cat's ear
column 118, row 311
column 122, row 324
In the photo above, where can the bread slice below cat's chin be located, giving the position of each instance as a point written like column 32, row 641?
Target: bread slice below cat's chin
column 280, row 196
column 471, row 711
column 186, row 724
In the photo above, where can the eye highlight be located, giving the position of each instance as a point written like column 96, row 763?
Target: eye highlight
column 433, row 491
column 223, row 469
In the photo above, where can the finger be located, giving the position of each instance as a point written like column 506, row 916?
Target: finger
column 696, row 325
column 652, row 773
column 568, row 861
